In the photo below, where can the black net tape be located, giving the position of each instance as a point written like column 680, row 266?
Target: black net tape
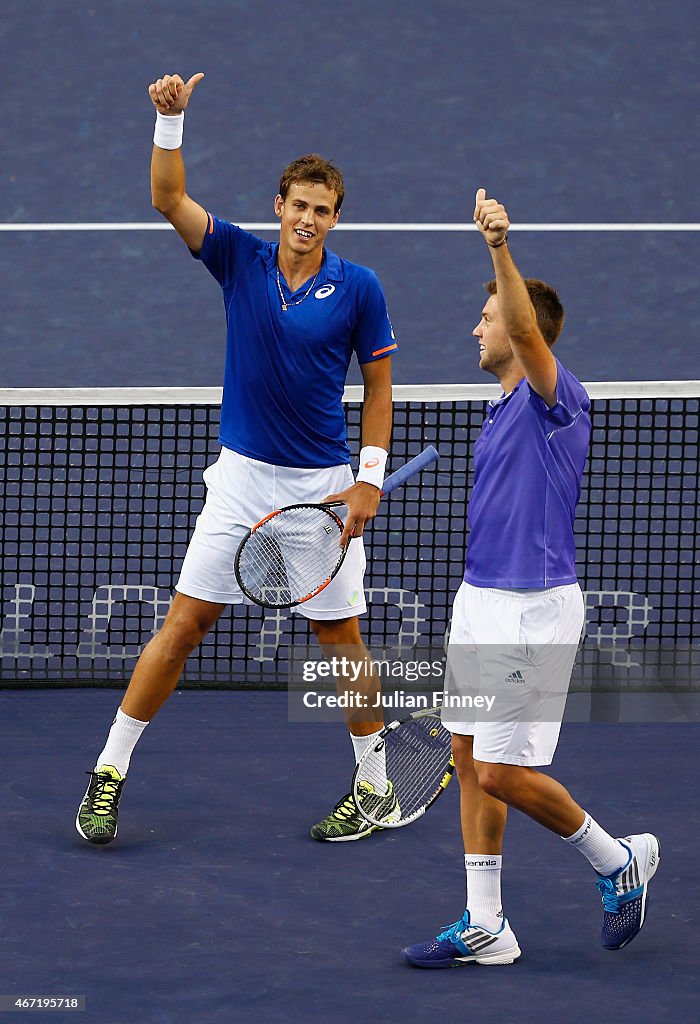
column 97, row 505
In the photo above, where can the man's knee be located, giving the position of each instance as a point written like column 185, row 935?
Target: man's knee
column 462, row 754
column 494, row 779
column 186, row 625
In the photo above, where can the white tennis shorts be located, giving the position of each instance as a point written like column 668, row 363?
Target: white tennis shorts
column 240, row 491
column 517, row 647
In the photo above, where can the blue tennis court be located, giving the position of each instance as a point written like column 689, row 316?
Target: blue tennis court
column 214, row 905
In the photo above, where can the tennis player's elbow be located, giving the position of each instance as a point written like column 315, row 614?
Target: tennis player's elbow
column 159, row 203
column 165, row 202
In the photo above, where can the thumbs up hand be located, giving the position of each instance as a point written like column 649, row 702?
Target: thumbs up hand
column 170, row 94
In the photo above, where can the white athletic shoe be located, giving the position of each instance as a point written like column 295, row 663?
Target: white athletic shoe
column 465, row 943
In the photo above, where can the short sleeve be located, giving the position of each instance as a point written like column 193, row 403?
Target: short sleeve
column 373, row 336
column 572, row 400
column 224, row 247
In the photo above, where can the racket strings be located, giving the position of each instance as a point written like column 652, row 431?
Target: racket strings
column 291, row 555
column 417, row 756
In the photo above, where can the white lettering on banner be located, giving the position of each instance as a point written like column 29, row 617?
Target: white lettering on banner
column 631, row 614
column 412, row 609
column 413, row 612
column 16, row 621
column 610, row 636
column 271, row 633
column 105, row 598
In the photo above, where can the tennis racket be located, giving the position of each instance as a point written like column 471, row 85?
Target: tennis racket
column 415, row 755
column 292, row 554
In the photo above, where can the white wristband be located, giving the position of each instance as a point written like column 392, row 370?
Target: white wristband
column 168, row 132
column 372, row 465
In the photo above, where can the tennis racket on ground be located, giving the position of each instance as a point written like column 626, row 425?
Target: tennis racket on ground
column 415, row 755
column 292, row 554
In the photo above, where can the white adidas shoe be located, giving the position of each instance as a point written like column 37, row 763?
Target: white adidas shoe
column 465, row 942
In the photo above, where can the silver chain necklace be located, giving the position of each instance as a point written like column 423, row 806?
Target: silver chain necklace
column 298, row 302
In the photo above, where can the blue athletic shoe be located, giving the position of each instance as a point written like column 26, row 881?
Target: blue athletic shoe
column 465, row 943
column 625, row 892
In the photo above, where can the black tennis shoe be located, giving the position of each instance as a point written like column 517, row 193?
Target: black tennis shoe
column 97, row 815
column 346, row 822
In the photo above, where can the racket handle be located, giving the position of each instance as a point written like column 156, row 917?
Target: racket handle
column 426, row 458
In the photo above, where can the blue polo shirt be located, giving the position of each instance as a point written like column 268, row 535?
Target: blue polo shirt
column 528, row 463
column 285, row 371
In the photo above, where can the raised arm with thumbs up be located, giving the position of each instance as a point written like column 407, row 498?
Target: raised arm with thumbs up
column 526, row 343
column 170, row 96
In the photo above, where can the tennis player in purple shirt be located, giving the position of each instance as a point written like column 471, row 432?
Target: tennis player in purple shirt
column 517, row 620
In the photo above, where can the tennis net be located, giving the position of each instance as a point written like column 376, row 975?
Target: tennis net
column 100, row 489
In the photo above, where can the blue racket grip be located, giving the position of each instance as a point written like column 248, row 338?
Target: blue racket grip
column 426, row 458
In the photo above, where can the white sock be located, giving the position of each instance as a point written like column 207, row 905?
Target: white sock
column 605, row 854
column 123, row 737
column 484, row 889
column 360, row 744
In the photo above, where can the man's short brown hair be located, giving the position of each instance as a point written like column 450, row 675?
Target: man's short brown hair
column 548, row 308
column 314, row 169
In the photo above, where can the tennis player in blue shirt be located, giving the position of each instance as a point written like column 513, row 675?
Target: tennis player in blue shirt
column 295, row 314
column 517, row 620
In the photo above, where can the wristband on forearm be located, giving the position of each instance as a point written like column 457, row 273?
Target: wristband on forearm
column 372, row 465
column 168, row 131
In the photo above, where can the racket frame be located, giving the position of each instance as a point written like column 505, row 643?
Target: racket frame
column 419, row 462
column 338, row 524
column 381, row 738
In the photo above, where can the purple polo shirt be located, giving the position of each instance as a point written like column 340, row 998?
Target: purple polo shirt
column 528, row 463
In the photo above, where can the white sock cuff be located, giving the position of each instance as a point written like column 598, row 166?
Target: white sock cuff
column 483, row 861
column 603, row 852
column 124, row 734
column 581, row 833
column 360, row 743
column 126, row 721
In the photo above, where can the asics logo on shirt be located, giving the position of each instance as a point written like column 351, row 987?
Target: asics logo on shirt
column 324, row 292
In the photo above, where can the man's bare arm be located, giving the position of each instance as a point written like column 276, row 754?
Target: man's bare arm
column 170, row 96
column 377, row 405
column 362, row 498
column 514, row 305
